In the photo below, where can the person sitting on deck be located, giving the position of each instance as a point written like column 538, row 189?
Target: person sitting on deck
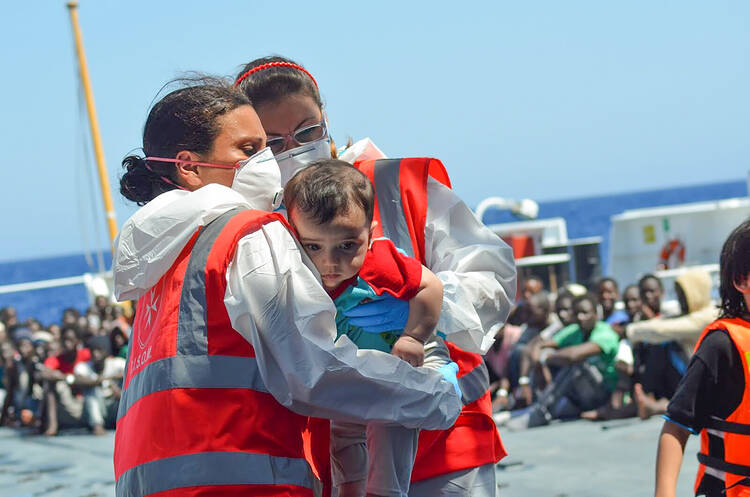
column 621, row 403
column 607, row 293
column 21, row 406
column 510, row 392
column 665, row 344
column 100, row 380
column 531, row 286
column 583, row 355
column 63, row 404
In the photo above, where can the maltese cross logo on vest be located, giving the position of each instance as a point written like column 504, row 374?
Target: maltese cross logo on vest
column 150, row 312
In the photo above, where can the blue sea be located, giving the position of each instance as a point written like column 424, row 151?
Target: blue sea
column 584, row 216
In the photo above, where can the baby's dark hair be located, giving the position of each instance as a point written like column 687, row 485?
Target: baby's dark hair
column 734, row 266
column 328, row 188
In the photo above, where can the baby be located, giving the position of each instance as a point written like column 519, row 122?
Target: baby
column 331, row 205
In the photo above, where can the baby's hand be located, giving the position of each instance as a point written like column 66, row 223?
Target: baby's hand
column 409, row 349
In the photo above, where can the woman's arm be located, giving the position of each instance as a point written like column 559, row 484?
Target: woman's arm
column 669, row 458
column 476, row 267
column 276, row 302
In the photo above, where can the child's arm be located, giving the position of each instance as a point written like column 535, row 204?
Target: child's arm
column 424, row 313
column 669, row 458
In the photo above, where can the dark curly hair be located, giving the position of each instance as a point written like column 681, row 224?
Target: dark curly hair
column 185, row 119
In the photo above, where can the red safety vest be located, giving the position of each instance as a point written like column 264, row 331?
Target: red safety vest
column 732, row 433
column 401, row 212
column 195, row 418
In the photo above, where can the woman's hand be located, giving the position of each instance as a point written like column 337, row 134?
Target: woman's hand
column 409, row 349
column 449, row 372
column 385, row 314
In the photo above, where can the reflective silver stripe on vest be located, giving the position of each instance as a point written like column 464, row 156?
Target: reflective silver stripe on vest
column 716, row 433
column 209, row 371
column 388, row 191
column 192, row 336
column 716, row 473
column 213, row 468
column 475, row 383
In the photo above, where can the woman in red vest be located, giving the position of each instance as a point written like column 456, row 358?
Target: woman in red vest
column 418, row 211
column 233, row 342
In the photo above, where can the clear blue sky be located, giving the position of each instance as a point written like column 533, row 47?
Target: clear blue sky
column 524, row 99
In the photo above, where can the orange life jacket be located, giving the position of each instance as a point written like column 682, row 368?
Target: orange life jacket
column 733, row 466
column 195, row 417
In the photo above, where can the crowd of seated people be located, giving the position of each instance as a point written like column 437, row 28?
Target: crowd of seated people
column 596, row 353
column 65, row 375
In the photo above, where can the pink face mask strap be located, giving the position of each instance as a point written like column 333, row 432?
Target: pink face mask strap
column 174, row 161
column 275, row 64
column 163, row 178
column 191, row 162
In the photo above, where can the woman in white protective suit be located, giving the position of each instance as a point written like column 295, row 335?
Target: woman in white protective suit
column 421, row 215
column 233, row 342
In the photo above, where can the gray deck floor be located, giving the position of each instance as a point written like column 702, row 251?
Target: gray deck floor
column 584, row 459
column 570, row 459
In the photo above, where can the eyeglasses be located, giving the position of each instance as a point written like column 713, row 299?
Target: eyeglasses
column 303, row 135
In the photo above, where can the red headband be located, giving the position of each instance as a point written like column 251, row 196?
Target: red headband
column 275, row 64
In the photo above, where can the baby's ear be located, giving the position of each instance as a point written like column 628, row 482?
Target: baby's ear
column 373, row 224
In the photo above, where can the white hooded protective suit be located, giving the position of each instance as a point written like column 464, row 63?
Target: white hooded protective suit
column 275, row 300
column 476, row 267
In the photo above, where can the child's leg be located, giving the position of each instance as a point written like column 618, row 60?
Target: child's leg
column 392, row 449
column 348, row 459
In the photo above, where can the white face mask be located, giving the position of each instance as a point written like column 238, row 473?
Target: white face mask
column 258, row 181
column 293, row 160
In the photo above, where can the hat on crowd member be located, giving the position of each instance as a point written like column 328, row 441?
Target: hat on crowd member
column 22, row 334
column 41, row 336
column 575, row 289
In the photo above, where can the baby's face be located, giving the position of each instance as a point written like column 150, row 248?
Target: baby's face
column 337, row 248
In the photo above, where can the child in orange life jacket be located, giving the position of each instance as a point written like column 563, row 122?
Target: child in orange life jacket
column 713, row 398
column 330, row 205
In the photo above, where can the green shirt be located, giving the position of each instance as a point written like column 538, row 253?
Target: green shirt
column 602, row 335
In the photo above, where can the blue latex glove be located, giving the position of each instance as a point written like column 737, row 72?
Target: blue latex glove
column 449, row 372
column 385, row 314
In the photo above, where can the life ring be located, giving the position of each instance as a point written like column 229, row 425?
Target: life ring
column 672, row 249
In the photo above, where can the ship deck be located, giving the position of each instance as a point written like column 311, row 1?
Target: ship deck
column 563, row 460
